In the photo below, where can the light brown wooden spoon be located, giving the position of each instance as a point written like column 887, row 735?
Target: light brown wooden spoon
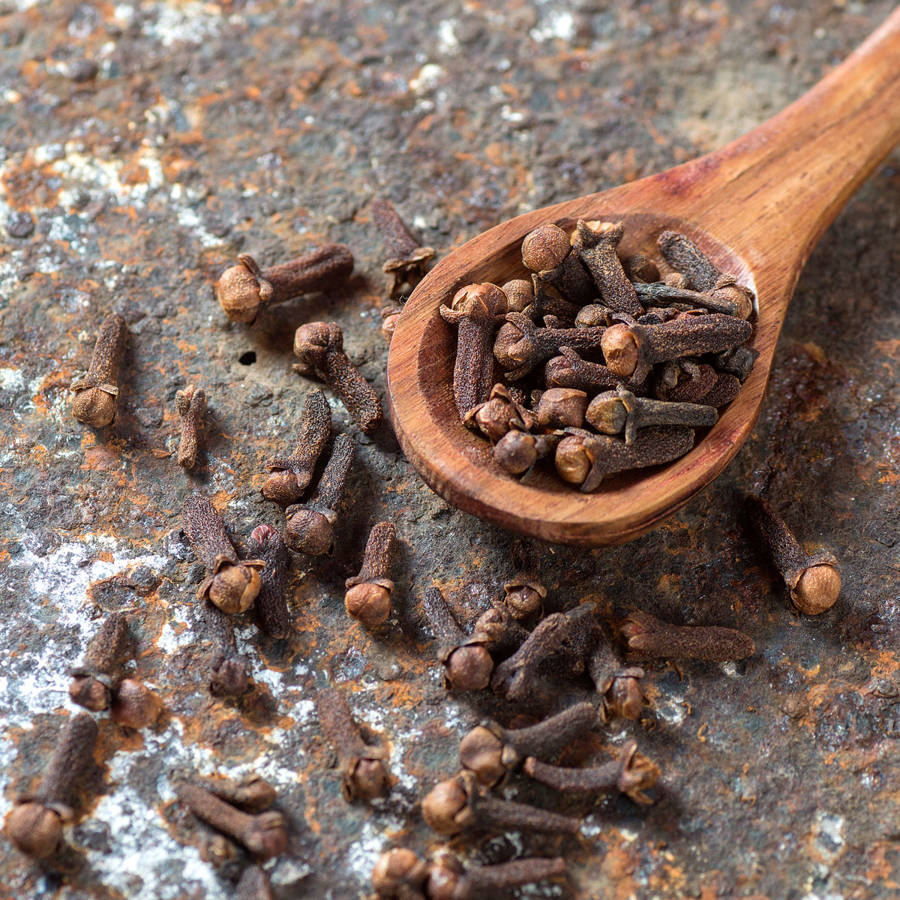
column 757, row 207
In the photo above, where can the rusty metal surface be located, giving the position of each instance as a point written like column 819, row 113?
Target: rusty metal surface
column 143, row 146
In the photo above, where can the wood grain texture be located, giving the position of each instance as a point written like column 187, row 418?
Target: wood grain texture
column 756, row 207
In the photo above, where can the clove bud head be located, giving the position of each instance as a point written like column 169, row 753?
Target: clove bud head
column 817, row 589
column 481, row 752
column 238, row 293
column 234, row 587
column 89, row 692
column 134, row 705
column 469, row 668
column 625, row 696
column 399, row 872
column 267, row 836
column 95, row 406
column 308, row 531
column 34, row 829
column 620, row 349
column 368, row 602
column 445, row 807
column 369, row 779
column 285, row 487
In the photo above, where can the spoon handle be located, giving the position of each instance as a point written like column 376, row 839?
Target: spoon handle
column 786, row 180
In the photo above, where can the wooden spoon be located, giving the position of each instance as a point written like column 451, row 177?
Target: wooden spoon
column 757, row 207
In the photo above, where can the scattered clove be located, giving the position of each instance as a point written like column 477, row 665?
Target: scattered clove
column 231, row 583
column 652, row 637
column 310, row 527
column 264, row 834
column 271, row 603
column 320, row 348
column 619, row 687
column 251, row 794
column 456, row 805
column 190, row 405
column 229, row 672
column 630, row 774
column 254, row 885
column 35, row 822
column 814, row 582
column 399, row 875
column 94, row 681
column 97, row 391
column 363, row 772
column 134, row 705
column 448, row 879
column 492, row 752
column 407, row 260
column 467, row 666
column 243, row 289
column 368, row 596
column 290, row 475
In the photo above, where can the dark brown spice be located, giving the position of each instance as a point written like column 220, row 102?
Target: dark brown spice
column 310, row 528
column 500, row 413
column 519, row 294
column 448, row 879
column 814, row 582
column 251, row 794
column 190, row 404
column 587, row 459
column 683, row 255
column 632, row 350
column 497, row 630
column 368, row 597
column 231, row 583
column 492, row 752
column 630, row 774
column 320, row 348
column 726, row 389
column 292, row 474
column 549, row 304
column 134, row 705
column 520, row 345
column 272, row 612
column 456, row 805
column 229, row 672
column 362, row 767
column 475, row 310
column 562, row 408
column 264, row 834
column 254, row 885
column 684, row 381
column 640, row 269
column 618, row 686
column 597, row 242
column 407, row 259
column 570, row 370
column 524, row 596
column 399, row 875
column 517, row 451
column 243, row 289
column 95, row 680
column 97, row 391
column 547, row 251
column 652, row 637
column 620, row 412
column 467, row 667
column 35, row 823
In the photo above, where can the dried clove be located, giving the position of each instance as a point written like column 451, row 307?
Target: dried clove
column 719, row 301
column 407, row 259
column 243, row 289
column 497, row 630
column 640, row 269
column 35, row 823
column 632, row 350
column 229, row 672
column 475, row 311
column 630, row 774
column 320, row 348
column 467, row 666
column 231, row 583
column 310, row 527
column 362, row 767
column 264, row 834
column 448, row 879
column 586, row 459
column 619, row 687
column 651, row 637
column 620, row 411
column 524, row 596
column 368, row 596
column 683, row 255
column 500, row 413
column 492, row 752
column 94, row 681
column 562, row 408
column 558, row 646
column 292, row 474
column 456, row 805
column 597, row 242
column 684, row 381
column 520, row 345
column 254, row 885
column 134, row 705
column 252, row 794
column 814, row 582
column 570, row 370
column 547, row 250
column 519, row 294
column 190, row 404
column 517, row 451
column 399, row 875
column 272, row 612
column 97, row 391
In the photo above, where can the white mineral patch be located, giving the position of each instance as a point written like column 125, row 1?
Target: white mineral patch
column 11, row 379
column 555, row 23
column 179, row 22
column 426, row 79
column 447, row 40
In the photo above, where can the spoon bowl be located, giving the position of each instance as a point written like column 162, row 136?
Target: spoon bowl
column 756, row 208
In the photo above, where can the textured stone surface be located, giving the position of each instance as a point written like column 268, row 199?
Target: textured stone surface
column 143, row 146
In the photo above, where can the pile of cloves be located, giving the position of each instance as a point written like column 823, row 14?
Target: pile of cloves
column 607, row 365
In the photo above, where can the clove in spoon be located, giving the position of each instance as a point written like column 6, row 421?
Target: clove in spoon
column 756, row 207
